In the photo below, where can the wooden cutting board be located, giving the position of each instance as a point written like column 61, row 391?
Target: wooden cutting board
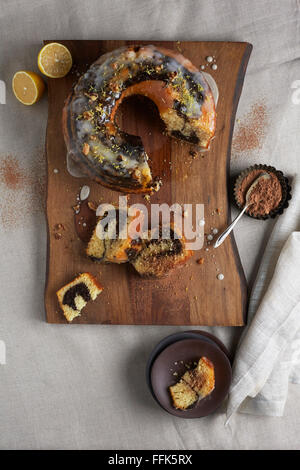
column 191, row 295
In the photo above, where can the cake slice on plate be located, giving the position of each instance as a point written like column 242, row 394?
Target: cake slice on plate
column 194, row 385
column 183, row 395
column 202, row 378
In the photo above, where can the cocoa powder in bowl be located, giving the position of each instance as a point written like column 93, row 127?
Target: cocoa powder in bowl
column 265, row 196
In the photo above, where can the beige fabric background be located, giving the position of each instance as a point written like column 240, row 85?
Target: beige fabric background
column 74, row 386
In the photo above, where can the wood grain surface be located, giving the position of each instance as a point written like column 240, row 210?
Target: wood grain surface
column 191, row 295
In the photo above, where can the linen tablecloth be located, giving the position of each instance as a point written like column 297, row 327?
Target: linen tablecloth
column 82, row 386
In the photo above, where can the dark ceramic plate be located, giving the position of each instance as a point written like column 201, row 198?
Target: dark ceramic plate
column 190, row 334
column 161, row 346
column 190, row 350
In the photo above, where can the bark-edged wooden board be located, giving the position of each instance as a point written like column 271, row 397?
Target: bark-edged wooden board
column 191, row 295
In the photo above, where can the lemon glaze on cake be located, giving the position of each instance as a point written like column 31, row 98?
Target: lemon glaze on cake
column 106, row 153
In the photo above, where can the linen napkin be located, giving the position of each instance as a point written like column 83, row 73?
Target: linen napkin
column 268, row 356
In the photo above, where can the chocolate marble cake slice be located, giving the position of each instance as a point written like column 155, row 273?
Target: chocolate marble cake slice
column 112, row 240
column 161, row 252
column 74, row 296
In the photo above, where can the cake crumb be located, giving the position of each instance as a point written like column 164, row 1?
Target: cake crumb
column 76, row 208
column 59, row 227
column 92, row 206
column 193, row 154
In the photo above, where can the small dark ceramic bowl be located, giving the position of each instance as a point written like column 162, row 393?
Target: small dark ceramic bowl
column 187, row 351
column 285, row 187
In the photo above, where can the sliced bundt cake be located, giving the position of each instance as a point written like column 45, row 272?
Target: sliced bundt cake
column 93, row 139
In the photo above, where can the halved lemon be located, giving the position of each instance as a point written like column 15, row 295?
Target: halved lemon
column 54, row 60
column 27, row 86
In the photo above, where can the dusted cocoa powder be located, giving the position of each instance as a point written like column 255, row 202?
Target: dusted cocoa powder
column 264, row 197
column 11, row 174
column 251, row 131
column 22, row 189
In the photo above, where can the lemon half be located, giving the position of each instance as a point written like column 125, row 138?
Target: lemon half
column 27, row 86
column 54, row 60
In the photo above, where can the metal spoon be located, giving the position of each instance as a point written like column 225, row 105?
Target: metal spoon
column 230, row 227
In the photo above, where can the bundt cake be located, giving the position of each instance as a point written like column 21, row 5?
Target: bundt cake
column 194, row 385
column 74, row 296
column 161, row 253
column 116, row 244
column 94, row 141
